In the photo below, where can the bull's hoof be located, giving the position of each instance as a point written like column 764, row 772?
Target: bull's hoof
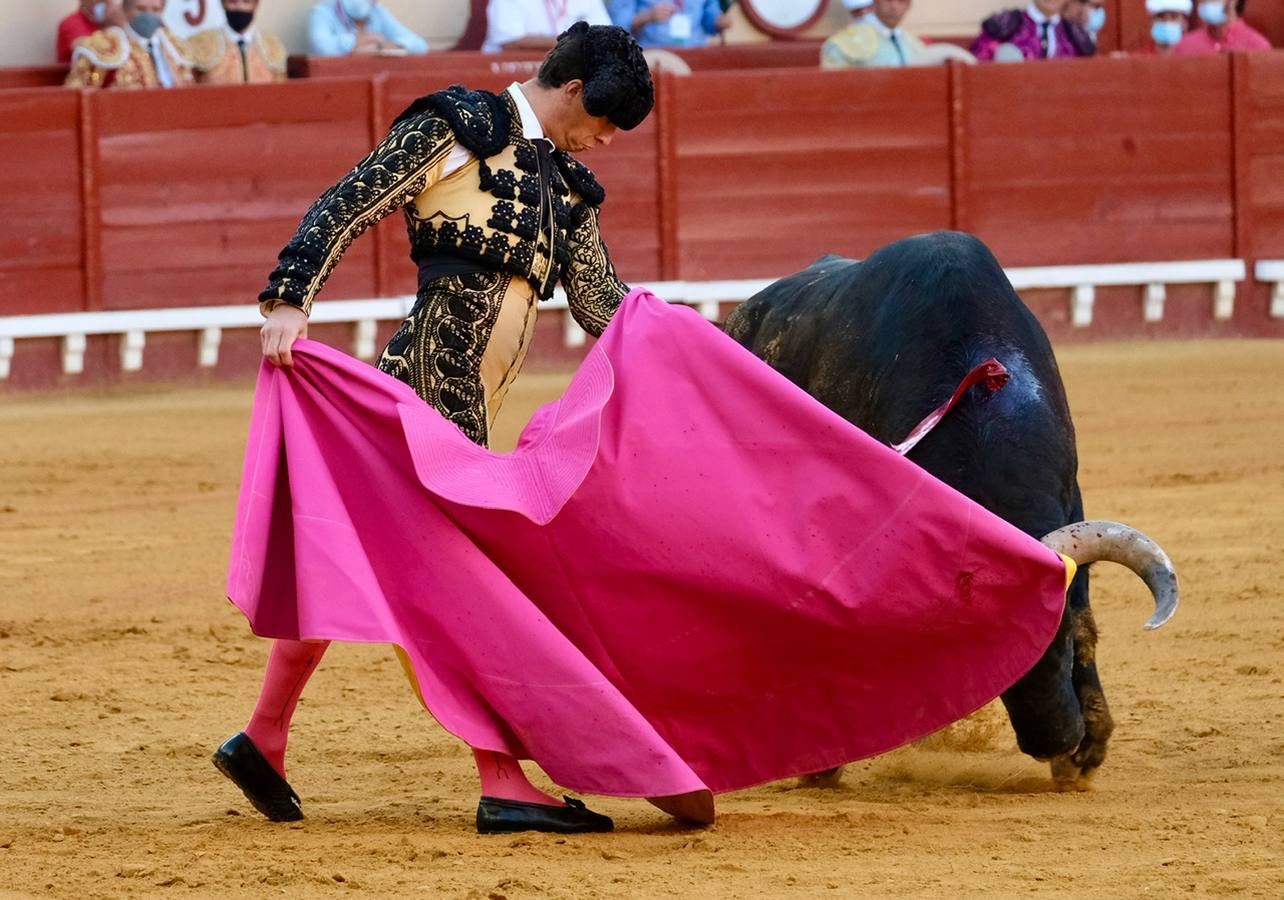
column 1068, row 775
column 830, row 778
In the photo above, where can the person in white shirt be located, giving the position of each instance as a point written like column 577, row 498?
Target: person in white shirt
column 535, row 24
column 874, row 40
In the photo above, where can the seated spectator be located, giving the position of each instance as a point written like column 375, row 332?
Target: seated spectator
column 237, row 53
column 343, row 27
column 661, row 23
column 1090, row 15
column 535, row 24
column 1222, row 30
column 1036, row 32
column 90, row 17
column 1169, row 20
column 140, row 54
column 874, row 40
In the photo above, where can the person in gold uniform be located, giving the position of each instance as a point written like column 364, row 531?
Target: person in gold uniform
column 140, row 54
column 238, row 52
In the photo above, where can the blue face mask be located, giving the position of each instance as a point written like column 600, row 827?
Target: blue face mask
column 1096, row 19
column 146, row 24
column 1165, row 34
column 100, row 12
column 1213, row 13
column 357, row 10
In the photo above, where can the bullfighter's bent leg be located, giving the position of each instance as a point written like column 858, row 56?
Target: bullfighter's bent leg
column 254, row 759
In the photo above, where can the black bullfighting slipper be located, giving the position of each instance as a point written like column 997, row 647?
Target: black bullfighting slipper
column 497, row 816
column 262, row 785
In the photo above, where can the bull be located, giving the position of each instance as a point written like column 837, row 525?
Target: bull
column 884, row 341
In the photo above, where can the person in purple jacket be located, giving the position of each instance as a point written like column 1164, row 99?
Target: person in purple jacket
column 1037, row 32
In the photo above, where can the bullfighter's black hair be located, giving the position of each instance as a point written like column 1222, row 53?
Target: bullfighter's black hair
column 617, row 82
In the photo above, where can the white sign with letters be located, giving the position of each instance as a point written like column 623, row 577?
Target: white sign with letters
column 186, row 17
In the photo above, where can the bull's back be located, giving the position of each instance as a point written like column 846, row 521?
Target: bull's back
column 885, row 341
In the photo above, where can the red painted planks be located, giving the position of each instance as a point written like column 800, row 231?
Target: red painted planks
column 774, row 169
column 1261, row 129
column 200, row 189
column 1115, row 160
column 40, row 231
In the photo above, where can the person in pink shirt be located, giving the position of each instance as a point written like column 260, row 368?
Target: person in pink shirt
column 1222, row 31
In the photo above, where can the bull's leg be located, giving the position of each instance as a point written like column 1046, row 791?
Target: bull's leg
column 1083, row 763
column 1043, row 706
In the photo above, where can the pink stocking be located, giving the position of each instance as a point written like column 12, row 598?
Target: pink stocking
column 502, row 777
column 290, row 665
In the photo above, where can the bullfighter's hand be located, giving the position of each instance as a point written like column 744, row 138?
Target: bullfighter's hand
column 284, row 325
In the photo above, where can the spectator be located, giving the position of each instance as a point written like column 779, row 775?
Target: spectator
column 90, row 17
column 1221, row 31
column 140, row 54
column 874, row 40
column 343, row 27
column 535, row 24
column 1169, row 20
column 670, row 23
column 1036, row 32
column 1090, row 15
column 237, row 53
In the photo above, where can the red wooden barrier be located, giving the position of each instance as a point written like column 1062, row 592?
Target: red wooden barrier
column 32, row 76
column 1259, row 119
column 201, row 188
column 40, row 230
column 1117, row 161
column 773, row 169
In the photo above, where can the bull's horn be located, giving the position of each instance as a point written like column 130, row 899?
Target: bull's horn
column 1089, row 542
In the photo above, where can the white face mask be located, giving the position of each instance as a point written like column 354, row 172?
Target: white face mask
column 358, row 10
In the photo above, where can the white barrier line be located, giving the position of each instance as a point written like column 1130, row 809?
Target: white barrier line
column 210, row 321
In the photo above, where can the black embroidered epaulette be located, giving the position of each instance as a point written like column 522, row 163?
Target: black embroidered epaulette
column 1003, row 25
column 580, row 179
column 479, row 119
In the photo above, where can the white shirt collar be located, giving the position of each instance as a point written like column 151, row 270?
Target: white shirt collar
column 882, row 28
column 234, row 36
column 531, row 128
column 138, row 38
column 1039, row 18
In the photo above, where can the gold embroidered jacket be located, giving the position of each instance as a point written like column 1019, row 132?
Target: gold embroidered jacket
column 217, row 58
column 112, row 59
column 516, row 209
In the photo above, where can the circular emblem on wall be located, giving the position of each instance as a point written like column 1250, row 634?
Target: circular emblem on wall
column 783, row 18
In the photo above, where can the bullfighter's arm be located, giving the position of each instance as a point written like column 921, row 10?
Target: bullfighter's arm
column 593, row 290
column 403, row 166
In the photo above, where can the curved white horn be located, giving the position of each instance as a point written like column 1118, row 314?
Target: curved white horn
column 1100, row 541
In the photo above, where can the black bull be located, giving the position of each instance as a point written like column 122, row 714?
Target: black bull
column 882, row 343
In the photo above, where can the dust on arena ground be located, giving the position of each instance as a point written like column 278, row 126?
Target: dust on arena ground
column 121, row 666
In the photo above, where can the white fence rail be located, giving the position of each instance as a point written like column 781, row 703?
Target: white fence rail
column 209, row 322
column 1271, row 271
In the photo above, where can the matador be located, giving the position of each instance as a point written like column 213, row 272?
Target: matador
column 498, row 213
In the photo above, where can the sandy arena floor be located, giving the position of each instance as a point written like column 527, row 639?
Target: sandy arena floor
column 122, row 666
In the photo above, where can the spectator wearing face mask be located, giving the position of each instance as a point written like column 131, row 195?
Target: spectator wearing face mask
column 670, row 23
column 1090, row 15
column 535, row 24
column 237, row 53
column 139, row 54
column 1169, row 20
column 875, row 39
column 1222, row 30
column 343, row 27
column 93, row 15
column 1036, row 32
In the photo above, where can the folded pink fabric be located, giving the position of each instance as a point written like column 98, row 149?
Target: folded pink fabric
column 689, row 574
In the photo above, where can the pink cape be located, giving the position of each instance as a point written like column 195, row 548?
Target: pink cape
column 688, row 575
